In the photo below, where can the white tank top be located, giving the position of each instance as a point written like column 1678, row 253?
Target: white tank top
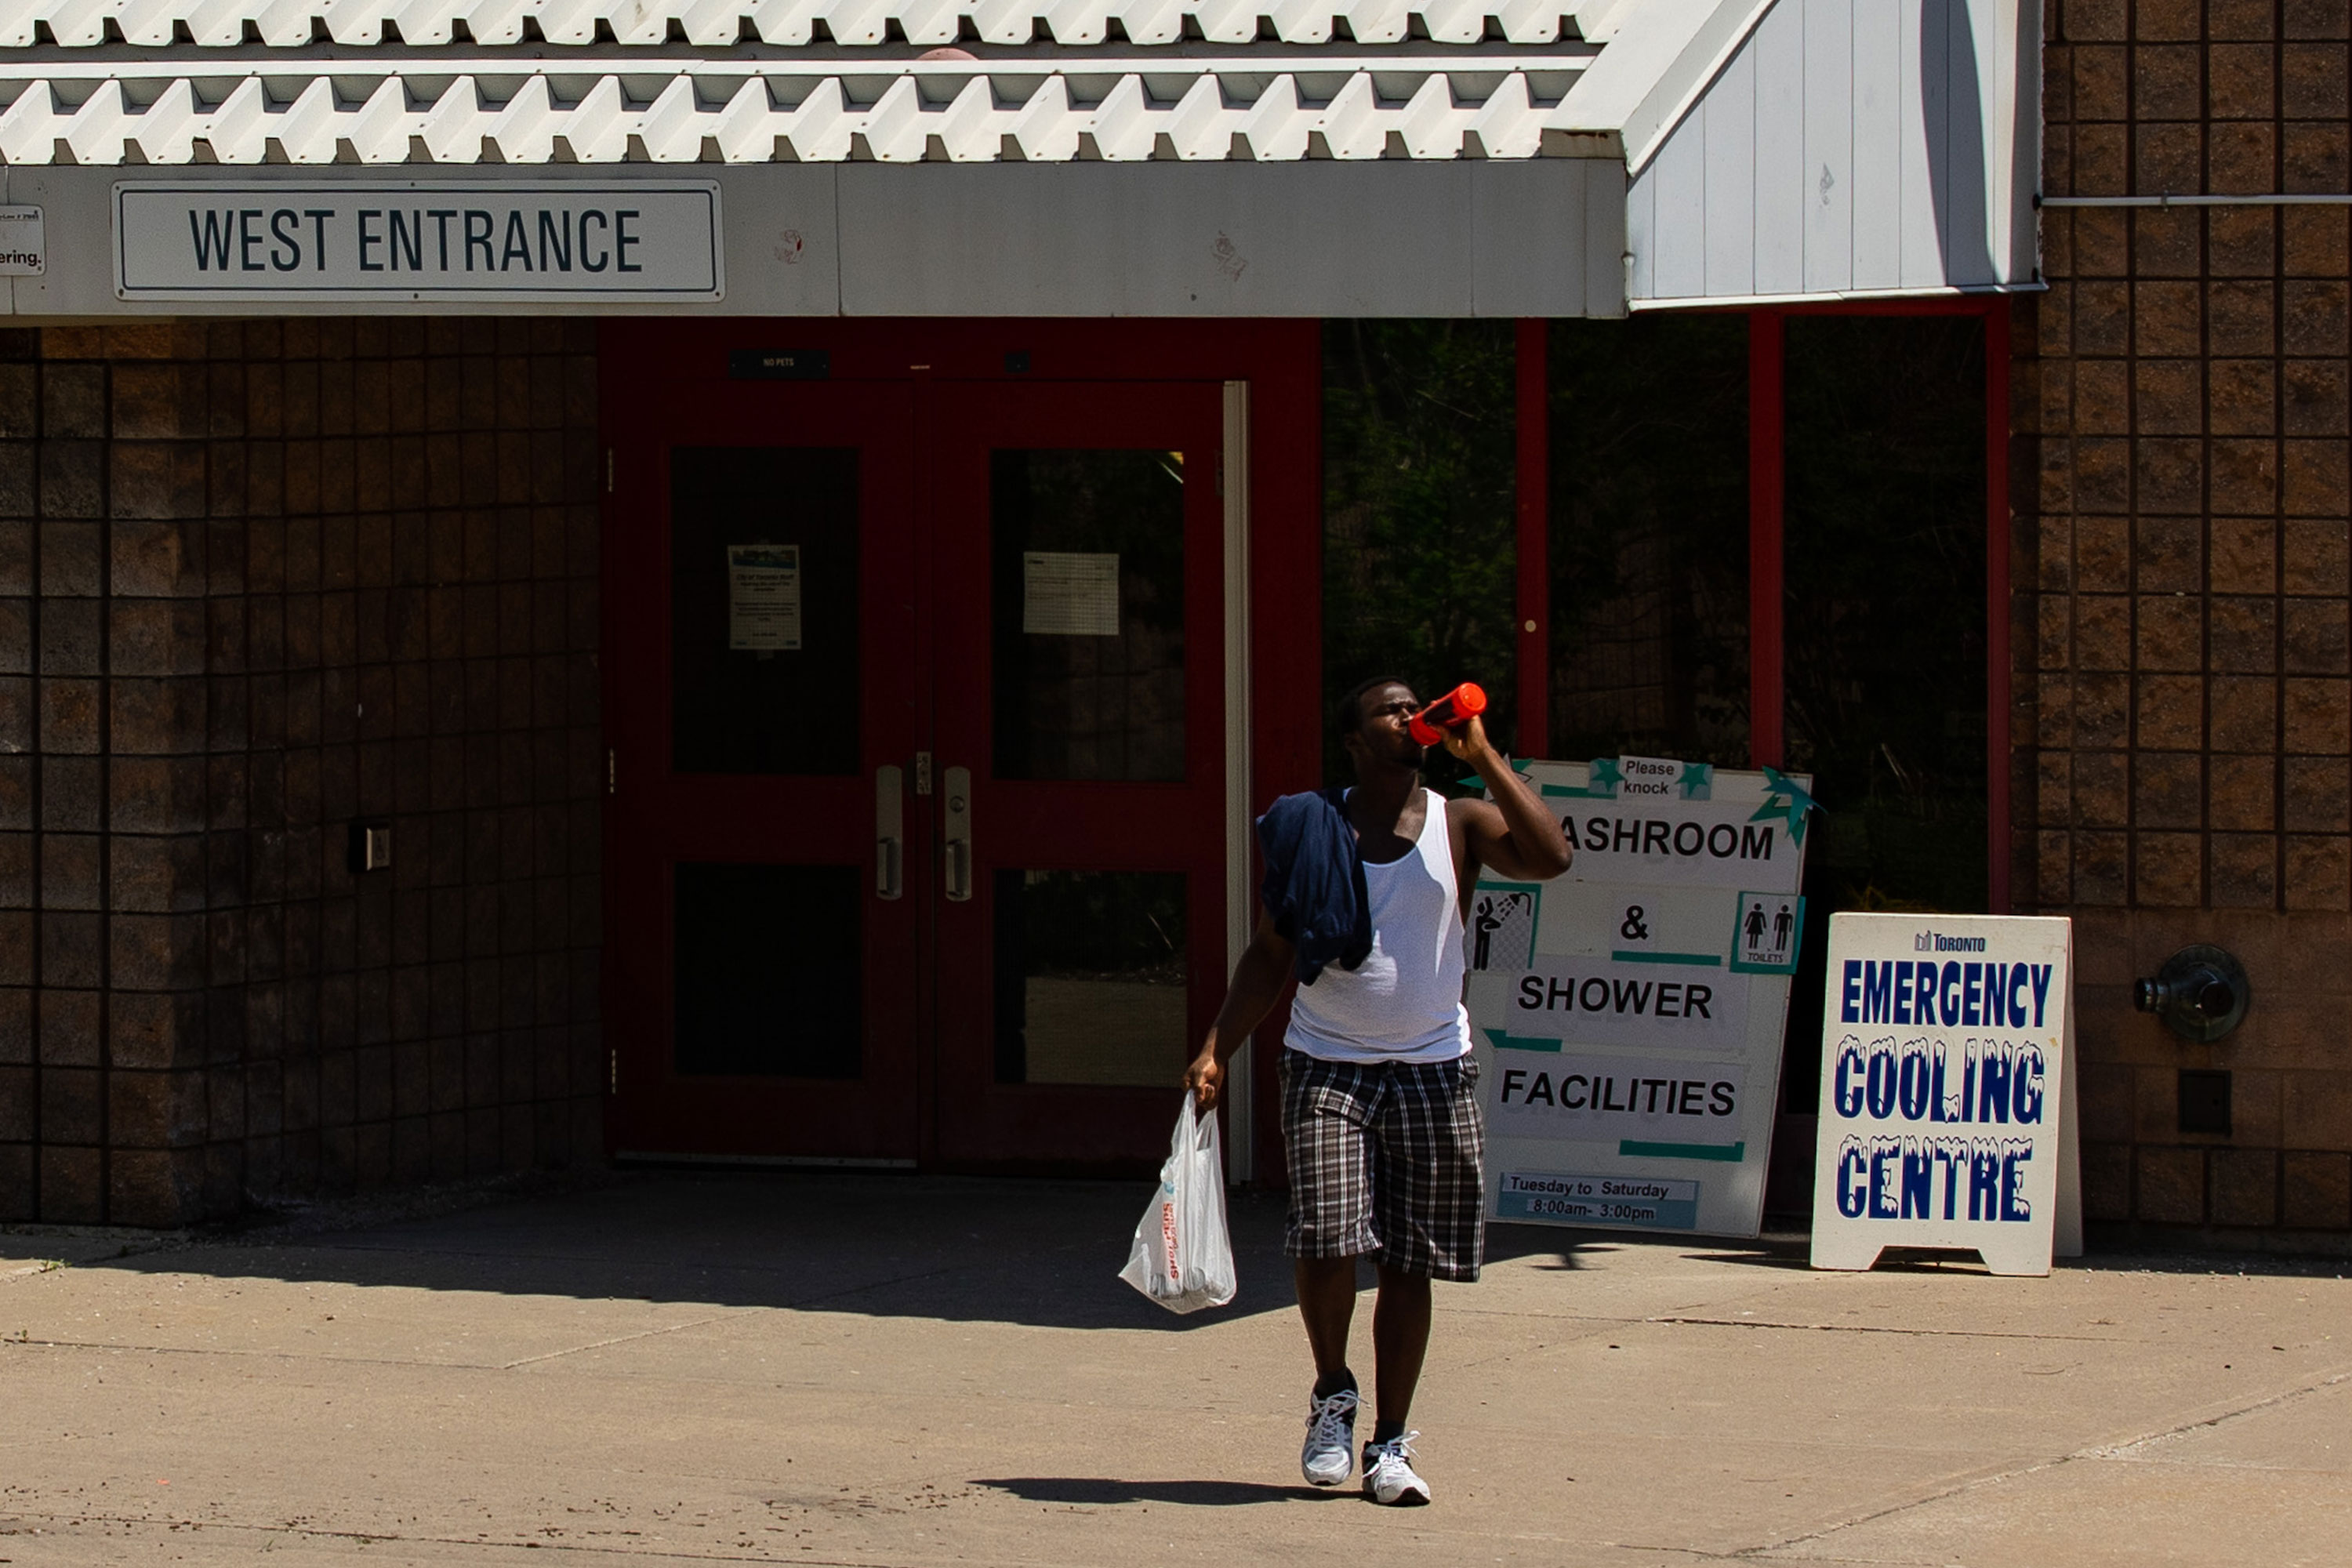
column 1403, row 1003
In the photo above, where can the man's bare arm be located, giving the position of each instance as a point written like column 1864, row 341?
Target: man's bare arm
column 1257, row 984
column 1515, row 833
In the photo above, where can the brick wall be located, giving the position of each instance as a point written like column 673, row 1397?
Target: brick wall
column 257, row 579
column 2185, row 713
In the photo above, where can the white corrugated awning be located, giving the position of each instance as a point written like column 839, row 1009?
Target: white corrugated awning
column 291, row 24
column 1763, row 148
column 1119, row 112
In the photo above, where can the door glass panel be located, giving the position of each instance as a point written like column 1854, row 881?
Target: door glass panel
column 763, row 610
column 1091, row 977
column 1087, row 554
column 769, row 971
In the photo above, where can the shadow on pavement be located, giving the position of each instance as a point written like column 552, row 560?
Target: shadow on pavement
column 1036, row 1252
column 1083, row 1490
column 1567, row 1250
column 1575, row 1249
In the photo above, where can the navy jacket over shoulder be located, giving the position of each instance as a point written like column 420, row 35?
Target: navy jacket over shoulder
column 1314, row 884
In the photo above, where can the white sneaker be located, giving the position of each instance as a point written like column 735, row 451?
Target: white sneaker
column 1330, row 1451
column 1388, row 1475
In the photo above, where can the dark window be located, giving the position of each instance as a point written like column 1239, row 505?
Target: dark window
column 1649, row 539
column 1088, row 671
column 737, row 710
column 768, row 971
column 1419, row 467
column 1885, row 618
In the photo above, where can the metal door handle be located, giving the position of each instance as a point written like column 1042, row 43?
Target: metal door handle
column 958, row 807
column 889, row 831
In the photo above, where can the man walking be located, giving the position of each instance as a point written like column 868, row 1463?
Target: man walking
column 1380, row 1110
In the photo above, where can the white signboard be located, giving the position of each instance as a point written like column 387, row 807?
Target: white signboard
column 24, row 253
column 1628, row 1016
column 1945, row 1117
column 1069, row 594
column 763, row 597
column 412, row 240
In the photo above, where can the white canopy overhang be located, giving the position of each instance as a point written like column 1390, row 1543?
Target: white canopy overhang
column 1388, row 157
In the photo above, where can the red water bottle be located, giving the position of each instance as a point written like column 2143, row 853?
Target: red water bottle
column 1451, row 711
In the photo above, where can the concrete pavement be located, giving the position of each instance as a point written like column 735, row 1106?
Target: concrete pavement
column 900, row 1370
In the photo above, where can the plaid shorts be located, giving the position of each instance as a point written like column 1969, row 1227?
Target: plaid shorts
column 1386, row 1158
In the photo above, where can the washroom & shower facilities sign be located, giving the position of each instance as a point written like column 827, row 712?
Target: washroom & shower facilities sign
column 1628, row 1016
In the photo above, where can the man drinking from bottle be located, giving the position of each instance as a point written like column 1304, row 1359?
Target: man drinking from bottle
column 1365, row 896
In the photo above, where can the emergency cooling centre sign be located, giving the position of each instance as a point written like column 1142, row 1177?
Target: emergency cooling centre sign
column 1946, row 1113
column 549, row 242
column 1628, row 1015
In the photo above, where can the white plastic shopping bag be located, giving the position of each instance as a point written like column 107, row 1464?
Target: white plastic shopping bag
column 1183, row 1257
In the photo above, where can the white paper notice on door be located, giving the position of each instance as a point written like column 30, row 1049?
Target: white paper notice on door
column 1066, row 594
column 763, row 597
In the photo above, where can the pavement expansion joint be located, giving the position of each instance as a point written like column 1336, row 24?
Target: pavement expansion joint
column 2132, row 1448
column 615, row 1339
column 31, row 1343
column 1990, row 1476
column 26, row 1341
column 364, row 1538
column 1878, row 1328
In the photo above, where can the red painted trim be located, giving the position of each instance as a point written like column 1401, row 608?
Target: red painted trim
column 1286, row 696
column 1534, row 491
column 1767, row 498
column 1998, row 738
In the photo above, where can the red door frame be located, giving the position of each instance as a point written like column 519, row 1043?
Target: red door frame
column 1280, row 360
column 1767, row 582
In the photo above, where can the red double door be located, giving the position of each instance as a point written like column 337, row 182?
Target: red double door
column 917, row 826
